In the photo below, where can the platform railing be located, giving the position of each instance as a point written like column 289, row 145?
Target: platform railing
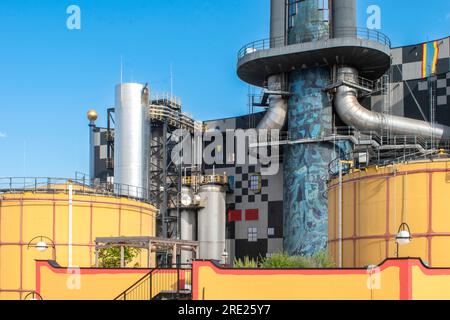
column 82, row 186
column 268, row 43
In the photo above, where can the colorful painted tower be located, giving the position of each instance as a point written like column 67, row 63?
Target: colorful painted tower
column 309, row 43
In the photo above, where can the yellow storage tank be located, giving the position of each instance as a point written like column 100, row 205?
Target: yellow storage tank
column 378, row 200
column 45, row 211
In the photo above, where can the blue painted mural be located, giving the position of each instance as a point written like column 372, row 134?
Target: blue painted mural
column 306, row 166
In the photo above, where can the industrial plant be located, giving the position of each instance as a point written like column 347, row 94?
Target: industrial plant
column 346, row 151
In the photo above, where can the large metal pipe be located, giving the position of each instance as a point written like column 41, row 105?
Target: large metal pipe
column 343, row 18
column 131, row 140
column 277, row 21
column 354, row 114
column 275, row 117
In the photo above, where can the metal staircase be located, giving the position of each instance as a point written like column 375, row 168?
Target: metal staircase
column 161, row 284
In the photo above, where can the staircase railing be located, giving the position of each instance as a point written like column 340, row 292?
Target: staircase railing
column 171, row 281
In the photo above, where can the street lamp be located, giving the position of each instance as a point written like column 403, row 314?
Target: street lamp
column 41, row 245
column 403, row 236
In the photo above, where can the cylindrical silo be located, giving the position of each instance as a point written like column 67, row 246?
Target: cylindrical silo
column 378, row 200
column 211, row 221
column 131, row 140
column 188, row 230
column 44, row 209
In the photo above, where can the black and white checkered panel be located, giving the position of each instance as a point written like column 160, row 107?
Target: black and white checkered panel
column 101, row 171
column 268, row 202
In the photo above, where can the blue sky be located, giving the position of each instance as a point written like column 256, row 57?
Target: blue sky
column 51, row 76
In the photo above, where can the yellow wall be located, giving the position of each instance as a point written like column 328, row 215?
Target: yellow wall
column 213, row 283
column 24, row 216
column 376, row 201
column 56, row 283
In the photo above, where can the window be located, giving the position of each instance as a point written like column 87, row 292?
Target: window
column 252, row 215
column 231, row 184
column 270, row 232
column 255, row 183
column 234, row 215
column 252, row 234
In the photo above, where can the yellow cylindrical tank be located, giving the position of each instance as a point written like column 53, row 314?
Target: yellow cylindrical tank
column 25, row 215
column 378, row 200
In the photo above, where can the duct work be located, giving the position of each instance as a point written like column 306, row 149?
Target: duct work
column 354, row 114
column 275, row 116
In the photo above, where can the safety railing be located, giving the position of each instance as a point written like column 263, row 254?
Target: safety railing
column 161, row 283
column 82, row 186
column 360, row 33
column 176, row 118
column 385, row 149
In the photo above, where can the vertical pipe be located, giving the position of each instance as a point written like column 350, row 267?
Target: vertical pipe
column 164, row 169
column 70, row 225
column 122, row 257
column 343, row 18
column 91, row 152
column 277, row 22
column 340, row 217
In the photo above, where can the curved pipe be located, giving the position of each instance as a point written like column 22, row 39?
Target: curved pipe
column 275, row 116
column 354, row 114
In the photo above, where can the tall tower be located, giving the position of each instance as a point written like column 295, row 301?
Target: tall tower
column 301, row 60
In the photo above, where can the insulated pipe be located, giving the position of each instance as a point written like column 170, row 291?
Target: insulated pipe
column 353, row 114
column 277, row 21
column 275, row 117
column 343, row 17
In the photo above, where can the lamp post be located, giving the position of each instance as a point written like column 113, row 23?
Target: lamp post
column 40, row 244
column 403, row 236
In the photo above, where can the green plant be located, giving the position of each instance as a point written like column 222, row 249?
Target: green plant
column 284, row 261
column 110, row 257
column 246, row 263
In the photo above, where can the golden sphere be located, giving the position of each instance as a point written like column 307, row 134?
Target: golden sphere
column 92, row 115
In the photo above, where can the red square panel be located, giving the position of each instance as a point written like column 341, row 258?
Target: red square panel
column 252, row 215
column 234, row 215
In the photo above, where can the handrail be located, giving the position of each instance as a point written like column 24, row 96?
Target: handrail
column 82, row 186
column 359, row 33
column 150, row 285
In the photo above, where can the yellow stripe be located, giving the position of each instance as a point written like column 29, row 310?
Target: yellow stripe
column 436, row 55
column 424, row 61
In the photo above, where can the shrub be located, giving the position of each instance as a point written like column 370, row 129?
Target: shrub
column 110, row 257
column 285, row 261
column 247, row 263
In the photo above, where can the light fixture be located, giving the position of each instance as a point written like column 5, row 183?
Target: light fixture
column 33, row 295
column 186, row 199
column 403, row 236
column 225, row 256
column 41, row 244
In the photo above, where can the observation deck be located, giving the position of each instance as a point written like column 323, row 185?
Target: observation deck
column 367, row 50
